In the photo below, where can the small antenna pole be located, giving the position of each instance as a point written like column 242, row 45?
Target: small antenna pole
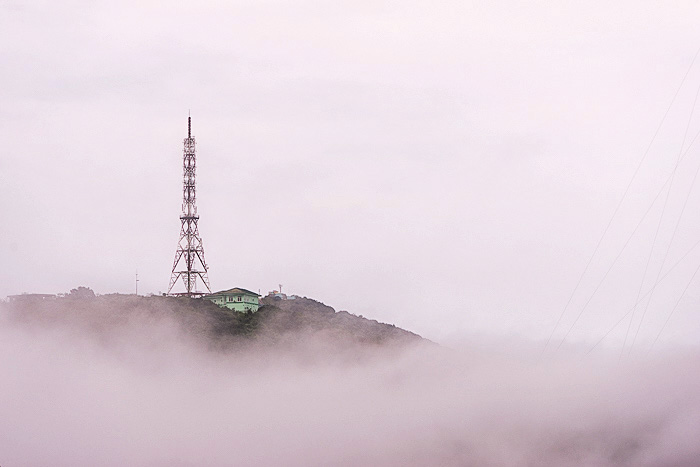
column 137, row 282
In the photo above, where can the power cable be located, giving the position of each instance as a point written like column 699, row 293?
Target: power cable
column 627, row 242
column 643, row 297
column 612, row 265
column 622, row 199
column 668, row 318
column 646, row 266
column 680, row 153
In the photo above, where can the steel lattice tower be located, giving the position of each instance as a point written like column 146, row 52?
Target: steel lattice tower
column 189, row 248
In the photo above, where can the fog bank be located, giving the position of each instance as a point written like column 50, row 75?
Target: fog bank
column 144, row 391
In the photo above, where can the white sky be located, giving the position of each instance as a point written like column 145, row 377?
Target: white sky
column 444, row 166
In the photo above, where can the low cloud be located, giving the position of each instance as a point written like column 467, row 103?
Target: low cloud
column 144, row 390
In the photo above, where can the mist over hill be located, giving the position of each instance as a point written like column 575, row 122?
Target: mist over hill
column 298, row 323
column 126, row 380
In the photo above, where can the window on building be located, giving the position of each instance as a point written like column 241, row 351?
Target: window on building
column 238, row 298
column 229, row 298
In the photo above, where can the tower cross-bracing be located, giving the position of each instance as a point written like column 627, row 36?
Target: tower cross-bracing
column 189, row 261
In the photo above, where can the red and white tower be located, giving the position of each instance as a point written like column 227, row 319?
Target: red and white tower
column 190, row 250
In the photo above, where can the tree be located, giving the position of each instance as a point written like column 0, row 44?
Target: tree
column 81, row 292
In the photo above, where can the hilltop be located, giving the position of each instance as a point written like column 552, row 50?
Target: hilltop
column 301, row 323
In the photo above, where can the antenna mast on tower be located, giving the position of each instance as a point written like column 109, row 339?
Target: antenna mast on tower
column 189, row 248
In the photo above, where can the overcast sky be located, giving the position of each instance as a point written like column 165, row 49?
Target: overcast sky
column 444, row 166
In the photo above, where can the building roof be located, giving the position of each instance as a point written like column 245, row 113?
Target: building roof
column 235, row 290
column 32, row 295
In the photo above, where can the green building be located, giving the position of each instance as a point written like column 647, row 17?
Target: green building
column 236, row 299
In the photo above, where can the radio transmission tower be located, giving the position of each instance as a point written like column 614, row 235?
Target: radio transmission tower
column 190, row 250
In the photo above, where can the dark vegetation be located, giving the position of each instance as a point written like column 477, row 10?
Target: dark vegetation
column 278, row 316
column 300, row 322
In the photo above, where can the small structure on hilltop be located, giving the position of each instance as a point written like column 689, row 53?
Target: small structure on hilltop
column 280, row 295
column 31, row 297
column 277, row 293
column 236, row 299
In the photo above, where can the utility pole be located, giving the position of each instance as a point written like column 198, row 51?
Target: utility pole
column 137, row 282
column 189, row 248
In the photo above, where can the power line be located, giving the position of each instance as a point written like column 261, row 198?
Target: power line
column 646, row 266
column 622, row 199
column 627, row 241
column 612, row 264
column 668, row 318
column 680, row 155
column 663, row 263
column 644, row 296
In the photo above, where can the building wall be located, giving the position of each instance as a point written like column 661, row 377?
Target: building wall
column 236, row 302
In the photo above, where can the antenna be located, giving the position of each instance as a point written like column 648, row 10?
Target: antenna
column 190, row 245
column 137, row 282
